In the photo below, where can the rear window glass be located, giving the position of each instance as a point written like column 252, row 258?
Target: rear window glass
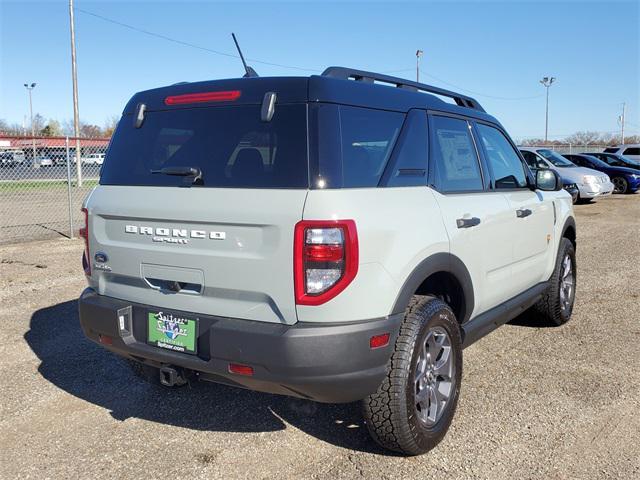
column 611, row 150
column 231, row 146
column 350, row 145
column 632, row 151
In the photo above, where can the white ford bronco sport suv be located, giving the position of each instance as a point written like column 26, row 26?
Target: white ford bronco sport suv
column 339, row 237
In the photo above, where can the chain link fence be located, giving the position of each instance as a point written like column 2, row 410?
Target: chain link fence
column 571, row 148
column 43, row 181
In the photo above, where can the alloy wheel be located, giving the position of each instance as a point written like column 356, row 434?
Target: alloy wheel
column 619, row 185
column 567, row 284
column 434, row 377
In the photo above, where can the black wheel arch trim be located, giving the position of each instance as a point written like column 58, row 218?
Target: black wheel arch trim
column 438, row 262
column 570, row 222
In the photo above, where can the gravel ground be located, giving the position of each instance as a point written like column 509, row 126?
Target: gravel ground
column 536, row 402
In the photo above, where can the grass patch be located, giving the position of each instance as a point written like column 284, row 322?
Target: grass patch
column 30, row 185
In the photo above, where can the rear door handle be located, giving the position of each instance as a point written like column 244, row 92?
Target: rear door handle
column 467, row 222
column 523, row 212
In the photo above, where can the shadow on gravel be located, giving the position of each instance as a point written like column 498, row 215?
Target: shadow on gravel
column 531, row 320
column 87, row 371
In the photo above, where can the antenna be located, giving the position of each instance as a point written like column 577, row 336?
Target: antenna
column 250, row 72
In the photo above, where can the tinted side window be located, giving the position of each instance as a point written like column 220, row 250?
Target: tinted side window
column 580, row 161
column 408, row 164
column 632, row 151
column 611, row 150
column 532, row 159
column 456, row 166
column 583, row 162
column 507, row 168
column 368, row 136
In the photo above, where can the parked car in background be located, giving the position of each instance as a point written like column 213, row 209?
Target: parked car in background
column 625, row 180
column 93, row 159
column 590, row 183
column 616, row 160
column 44, row 161
column 631, row 151
column 59, row 159
column 572, row 188
column 11, row 158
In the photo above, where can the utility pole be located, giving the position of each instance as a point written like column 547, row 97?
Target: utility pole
column 419, row 54
column 74, row 77
column 33, row 134
column 547, row 82
column 624, row 107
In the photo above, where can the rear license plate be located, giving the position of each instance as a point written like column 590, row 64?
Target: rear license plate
column 172, row 332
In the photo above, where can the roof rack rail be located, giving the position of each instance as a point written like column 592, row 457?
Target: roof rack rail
column 371, row 77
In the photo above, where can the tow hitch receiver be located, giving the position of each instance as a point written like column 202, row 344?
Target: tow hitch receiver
column 172, row 377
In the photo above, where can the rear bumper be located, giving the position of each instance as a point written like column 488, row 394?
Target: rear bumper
column 328, row 363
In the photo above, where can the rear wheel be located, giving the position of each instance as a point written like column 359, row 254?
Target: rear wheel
column 620, row 185
column 414, row 405
column 556, row 304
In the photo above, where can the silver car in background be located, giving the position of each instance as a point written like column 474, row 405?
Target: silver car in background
column 591, row 183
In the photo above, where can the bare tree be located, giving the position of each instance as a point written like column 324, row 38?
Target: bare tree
column 38, row 123
column 110, row 125
column 88, row 130
column 584, row 138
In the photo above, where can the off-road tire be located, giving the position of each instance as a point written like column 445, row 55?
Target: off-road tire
column 549, row 307
column 390, row 413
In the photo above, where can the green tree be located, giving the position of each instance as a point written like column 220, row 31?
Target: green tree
column 52, row 129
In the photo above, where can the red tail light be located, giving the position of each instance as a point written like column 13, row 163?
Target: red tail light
column 84, row 233
column 224, row 96
column 325, row 259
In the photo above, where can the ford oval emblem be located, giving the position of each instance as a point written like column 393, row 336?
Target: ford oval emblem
column 101, row 257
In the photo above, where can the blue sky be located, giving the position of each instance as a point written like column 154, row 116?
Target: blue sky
column 489, row 49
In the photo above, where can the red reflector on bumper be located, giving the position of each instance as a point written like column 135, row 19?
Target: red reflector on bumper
column 378, row 341
column 105, row 339
column 240, row 369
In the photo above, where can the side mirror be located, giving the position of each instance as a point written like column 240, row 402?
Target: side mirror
column 548, row 180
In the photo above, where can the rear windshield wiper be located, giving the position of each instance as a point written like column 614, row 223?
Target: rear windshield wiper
column 194, row 172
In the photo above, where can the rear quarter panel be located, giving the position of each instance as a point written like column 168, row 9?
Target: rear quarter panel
column 397, row 229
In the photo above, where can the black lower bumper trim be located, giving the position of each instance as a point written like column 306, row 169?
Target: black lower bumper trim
column 328, row 363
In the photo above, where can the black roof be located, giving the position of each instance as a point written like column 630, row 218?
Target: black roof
column 336, row 85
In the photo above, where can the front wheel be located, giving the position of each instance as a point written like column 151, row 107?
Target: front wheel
column 414, row 405
column 620, row 185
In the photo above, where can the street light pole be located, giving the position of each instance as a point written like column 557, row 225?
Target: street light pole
column 624, row 107
column 74, row 77
column 419, row 54
column 547, row 82
column 33, row 135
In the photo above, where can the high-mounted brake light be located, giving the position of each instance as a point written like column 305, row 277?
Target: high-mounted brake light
column 223, row 96
column 84, row 233
column 325, row 259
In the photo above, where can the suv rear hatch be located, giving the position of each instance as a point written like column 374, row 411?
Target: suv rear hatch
column 198, row 199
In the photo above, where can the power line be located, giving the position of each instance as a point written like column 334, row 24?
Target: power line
column 188, row 44
column 495, row 97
